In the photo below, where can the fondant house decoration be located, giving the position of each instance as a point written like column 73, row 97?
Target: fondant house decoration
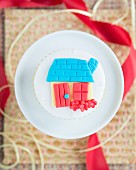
column 71, row 80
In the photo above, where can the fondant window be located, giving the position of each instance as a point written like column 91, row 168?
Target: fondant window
column 80, row 91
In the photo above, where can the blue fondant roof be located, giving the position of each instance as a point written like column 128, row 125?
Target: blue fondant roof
column 72, row 70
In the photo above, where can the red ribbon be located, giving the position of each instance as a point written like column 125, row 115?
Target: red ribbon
column 3, row 81
column 95, row 159
column 28, row 4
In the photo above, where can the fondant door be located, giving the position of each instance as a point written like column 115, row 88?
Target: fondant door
column 80, row 91
column 62, row 94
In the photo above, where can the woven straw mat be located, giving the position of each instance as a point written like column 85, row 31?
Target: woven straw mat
column 120, row 149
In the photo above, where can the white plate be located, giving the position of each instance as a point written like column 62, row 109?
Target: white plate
column 67, row 126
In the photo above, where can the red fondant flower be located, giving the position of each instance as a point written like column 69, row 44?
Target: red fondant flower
column 83, row 105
